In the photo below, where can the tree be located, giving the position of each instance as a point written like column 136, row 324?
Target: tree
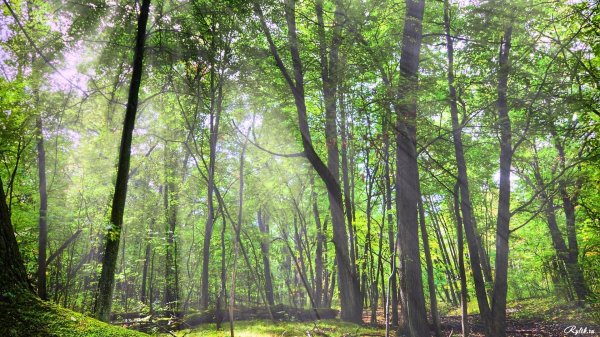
column 349, row 286
column 407, row 175
column 103, row 303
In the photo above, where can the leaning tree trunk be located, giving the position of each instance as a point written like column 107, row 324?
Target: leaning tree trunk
column 407, row 174
column 473, row 242
column 107, row 277
column 350, row 296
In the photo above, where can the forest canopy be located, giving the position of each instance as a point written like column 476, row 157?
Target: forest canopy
column 383, row 162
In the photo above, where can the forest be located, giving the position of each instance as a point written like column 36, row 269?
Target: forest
column 300, row 168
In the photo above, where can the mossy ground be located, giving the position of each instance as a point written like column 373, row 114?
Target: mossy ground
column 27, row 316
column 266, row 328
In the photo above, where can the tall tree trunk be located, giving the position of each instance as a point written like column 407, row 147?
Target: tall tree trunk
column 171, row 277
column 43, row 218
column 106, row 283
column 264, row 247
column 215, row 116
column 503, row 219
column 407, row 174
column 348, row 201
column 391, row 237
column 473, row 242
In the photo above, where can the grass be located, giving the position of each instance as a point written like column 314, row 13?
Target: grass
column 26, row 315
column 265, row 328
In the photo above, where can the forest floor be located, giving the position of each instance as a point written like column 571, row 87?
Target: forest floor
column 526, row 318
column 535, row 317
column 29, row 316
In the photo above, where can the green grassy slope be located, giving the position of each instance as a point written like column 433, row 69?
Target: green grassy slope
column 28, row 316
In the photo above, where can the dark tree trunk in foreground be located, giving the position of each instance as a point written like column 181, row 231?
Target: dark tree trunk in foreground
column 13, row 277
column 106, row 283
column 350, row 296
column 407, row 174
column 43, row 219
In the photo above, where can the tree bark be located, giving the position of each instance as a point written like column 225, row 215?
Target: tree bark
column 13, row 278
column 264, row 247
column 43, row 217
column 171, row 277
column 103, row 303
column 391, row 237
column 503, row 219
column 407, row 174
column 215, row 117
column 461, row 264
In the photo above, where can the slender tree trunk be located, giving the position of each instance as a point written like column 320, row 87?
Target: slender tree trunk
column 435, row 315
column 348, row 201
column 43, row 218
column 237, row 238
column 319, row 250
column 145, row 272
column 461, row 264
column 264, row 247
column 215, row 116
column 465, row 199
column 391, row 237
column 171, row 286
column 103, row 303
